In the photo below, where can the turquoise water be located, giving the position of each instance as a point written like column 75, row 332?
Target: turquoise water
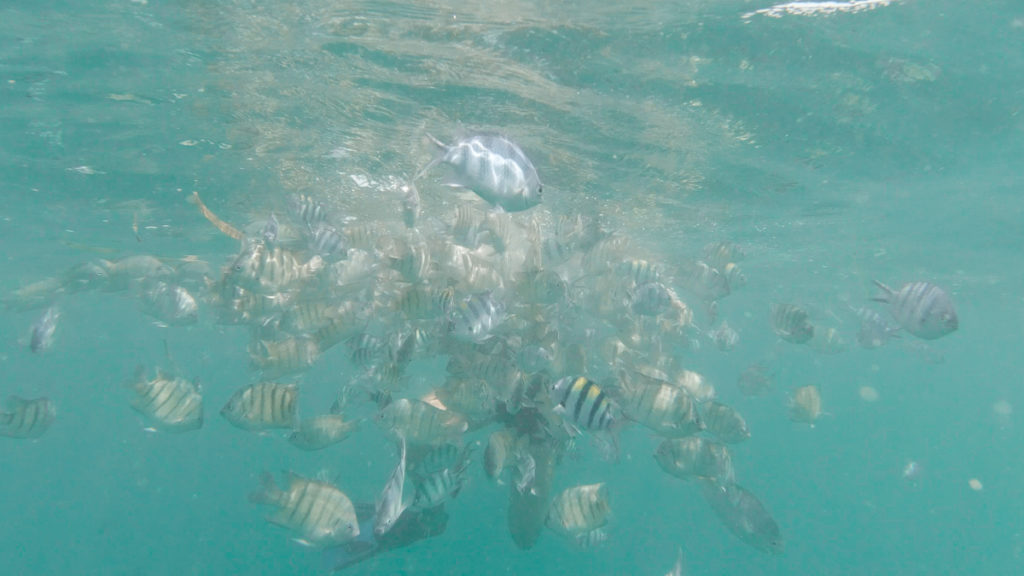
column 834, row 149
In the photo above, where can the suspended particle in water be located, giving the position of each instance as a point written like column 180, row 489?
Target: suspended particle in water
column 975, row 484
column 1003, row 412
column 868, row 394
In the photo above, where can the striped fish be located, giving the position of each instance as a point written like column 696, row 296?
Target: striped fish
column 326, row 241
column 725, row 423
column 582, row 402
column 412, row 263
column 475, row 317
column 276, row 358
column 668, row 410
column 651, row 299
column 171, row 404
column 321, row 431
column 27, row 418
column 500, row 445
column 419, row 422
column 492, row 166
column 440, row 475
column 262, row 406
column 639, row 271
column 579, row 510
column 921, row 308
column 695, row 457
column 791, row 323
column 269, row 270
column 310, row 211
column 319, row 514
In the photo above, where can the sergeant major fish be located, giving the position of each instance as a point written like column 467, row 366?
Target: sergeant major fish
column 27, row 418
column 579, row 509
column 744, row 515
column 169, row 403
column 921, row 308
column 319, row 513
column 321, row 431
column 493, row 167
column 262, row 406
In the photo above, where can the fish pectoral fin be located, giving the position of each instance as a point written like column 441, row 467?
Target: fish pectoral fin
column 303, row 542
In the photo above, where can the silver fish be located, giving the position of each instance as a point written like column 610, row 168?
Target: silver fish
column 921, row 308
column 791, row 323
column 319, row 513
column 27, row 418
column 169, row 304
column 695, row 457
column 582, row 402
column 262, row 406
column 390, row 505
column 725, row 423
column 579, row 509
column 169, row 403
column 744, row 515
column 651, row 299
column 493, row 167
column 44, row 329
column 473, row 318
column 321, row 431
column 874, row 329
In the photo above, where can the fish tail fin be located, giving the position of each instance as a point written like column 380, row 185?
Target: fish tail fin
column 442, row 148
column 885, row 293
column 268, row 493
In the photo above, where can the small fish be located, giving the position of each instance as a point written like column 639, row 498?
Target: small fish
column 704, row 281
column 755, row 380
column 921, row 308
column 493, row 167
column 805, row 405
column 744, row 515
column 27, row 418
column 276, row 358
column 327, row 242
column 583, row 403
column 500, row 445
column 724, row 337
column 791, row 323
column 592, row 538
column 579, row 509
column 169, row 403
column 526, row 471
column 321, row 431
column 652, row 299
column 640, row 271
column 725, row 423
column 410, row 206
column 169, row 304
column 874, row 329
column 390, row 505
column 694, row 457
column 435, row 485
column 263, row 406
column 668, row 410
column 474, row 318
column 419, row 422
column 320, row 514
column 310, row 211
column 44, row 329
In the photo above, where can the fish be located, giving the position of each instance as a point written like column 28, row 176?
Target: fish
column 725, row 423
column 26, row 418
column 168, row 403
column 704, row 281
column 651, row 299
column 666, row 409
column 724, row 337
column 500, row 445
column 475, row 317
column 419, row 422
column 592, row 538
column 390, row 505
column 321, row 431
column 274, row 358
column 755, row 380
column 263, row 406
column 791, row 323
column 582, row 402
column 921, row 308
column 320, row 514
column 677, row 568
column 805, row 405
column 694, row 457
column 169, row 304
column 327, row 242
column 309, row 211
column 269, row 270
column 874, row 330
column 744, row 515
column 640, row 271
column 436, row 485
column 579, row 509
column 493, row 167
column 44, row 330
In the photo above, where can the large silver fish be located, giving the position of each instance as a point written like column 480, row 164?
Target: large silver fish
column 921, row 308
column 493, row 167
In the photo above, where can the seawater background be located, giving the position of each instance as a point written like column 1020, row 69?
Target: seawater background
column 883, row 144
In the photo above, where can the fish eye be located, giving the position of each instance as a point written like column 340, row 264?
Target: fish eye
column 540, row 190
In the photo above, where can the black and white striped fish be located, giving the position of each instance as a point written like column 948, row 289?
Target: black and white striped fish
column 791, row 323
column 262, row 406
column 318, row 513
column 168, row 403
column 27, row 418
column 582, row 402
column 921, row 308
column 493, row 167
column 473, row 318
column 579, row 510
